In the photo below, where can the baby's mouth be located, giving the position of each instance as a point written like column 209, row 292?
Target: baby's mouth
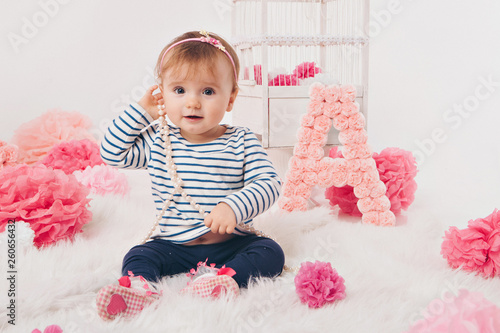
column 193, row 117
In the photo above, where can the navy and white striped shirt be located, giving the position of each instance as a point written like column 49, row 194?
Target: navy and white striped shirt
column 233, row 168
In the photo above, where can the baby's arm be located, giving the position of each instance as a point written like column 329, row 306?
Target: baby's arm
column 127, row 141
column 261, row 189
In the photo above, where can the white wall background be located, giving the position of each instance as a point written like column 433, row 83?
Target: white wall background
column 428, row 58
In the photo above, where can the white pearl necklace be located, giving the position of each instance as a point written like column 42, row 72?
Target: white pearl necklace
column 177, row 181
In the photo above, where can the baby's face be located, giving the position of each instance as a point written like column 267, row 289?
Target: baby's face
column 197, row 103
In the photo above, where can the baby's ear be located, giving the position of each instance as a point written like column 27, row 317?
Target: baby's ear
column 231, row 100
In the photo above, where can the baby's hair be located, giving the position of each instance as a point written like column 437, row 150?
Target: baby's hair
column 195, row 53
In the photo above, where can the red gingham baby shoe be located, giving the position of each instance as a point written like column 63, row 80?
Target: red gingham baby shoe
column 124, row 299
column 211, row 282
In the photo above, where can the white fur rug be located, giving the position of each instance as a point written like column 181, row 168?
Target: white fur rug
column 391, row 275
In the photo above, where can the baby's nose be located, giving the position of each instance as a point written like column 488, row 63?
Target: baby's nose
column 192, row 103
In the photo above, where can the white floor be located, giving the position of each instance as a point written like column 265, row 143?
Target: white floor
column 391, row 274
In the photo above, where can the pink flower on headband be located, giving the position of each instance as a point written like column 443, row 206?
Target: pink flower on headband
column 211, row 40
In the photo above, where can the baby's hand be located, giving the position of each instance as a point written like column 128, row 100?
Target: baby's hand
column 221, row 219
column 149, row 102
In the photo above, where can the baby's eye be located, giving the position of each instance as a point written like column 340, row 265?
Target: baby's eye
column 179, row 90
column 208, row 91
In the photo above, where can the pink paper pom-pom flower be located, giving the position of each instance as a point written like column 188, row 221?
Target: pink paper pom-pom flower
column 73, row 155
column 257, row 72
column 53, row 203
column 103, row 179
column 318, row 283
column 284, row 80
column 468, row 312
column 306, row 70
column 397, row 169
column 475, row 248
column 49, row 329
column 8, row 154
column 37, row 137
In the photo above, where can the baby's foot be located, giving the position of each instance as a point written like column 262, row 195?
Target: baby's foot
column 126, row 299
column 211, row 282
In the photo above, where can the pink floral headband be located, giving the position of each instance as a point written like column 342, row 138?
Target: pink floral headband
column 205, row 39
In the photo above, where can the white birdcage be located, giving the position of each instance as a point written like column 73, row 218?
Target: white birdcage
column 293, row 43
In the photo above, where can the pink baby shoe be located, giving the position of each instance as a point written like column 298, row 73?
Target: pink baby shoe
column 126, row 299
column 209, row 281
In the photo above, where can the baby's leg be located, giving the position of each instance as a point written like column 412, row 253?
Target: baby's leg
column 156, row 259
column 150, row 261
column 258, row 256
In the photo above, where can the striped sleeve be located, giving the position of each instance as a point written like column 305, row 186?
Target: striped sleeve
column 262, row 184
column 128, row 139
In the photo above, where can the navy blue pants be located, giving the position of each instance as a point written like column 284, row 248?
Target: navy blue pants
column 250, row 256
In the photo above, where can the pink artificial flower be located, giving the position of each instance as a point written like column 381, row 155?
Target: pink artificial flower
column 353, row 165
column 294, row 203
column 332, row 94
column 288, row 188
column 370, row 178
column 53, row 203
column 317, row 92
column 295, row 175
column 301, row 150
column 37, row 137
column 322, row 124
column 356, row 151
column 370, row 204
column 353, row 136
column 352, row 195
column 315, row 152
column 318, row 138
column 326, row 178
column 73, row 155
column 302, row 190
column 327, row 163
column 312, row 165
column 296, row 163
column 367, row 164
column 467, row 312
column 316, row 108
column 371, row 217
column 347, row 93
column 377, row 189
column 332, row 109
column 293, row 189
column 103, row 179
column 357, row 121
column 8, row 154
column 385, row 219
column 339, row 178
column 318, row 284
column 350, row 109
column 310, row 178
column 304, row 135
column 475, row 248
column 340, row 164
column 307, row 120
column 340, row 122
column 354, row 178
